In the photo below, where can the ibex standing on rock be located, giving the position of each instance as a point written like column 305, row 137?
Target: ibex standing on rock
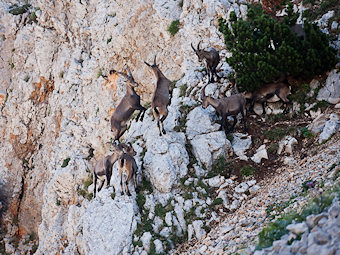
column 103, row 167
column 161, row 97
column 129, row 103
column 127, row 165
column 228, row 106
column 212, row 58
column 267, row 91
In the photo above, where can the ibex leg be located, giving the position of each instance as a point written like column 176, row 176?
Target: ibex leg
column 232, row 127
column 95, row 185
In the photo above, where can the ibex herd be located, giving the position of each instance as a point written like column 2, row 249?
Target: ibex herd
column 227, row 106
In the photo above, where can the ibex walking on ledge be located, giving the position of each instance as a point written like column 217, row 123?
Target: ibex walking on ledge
column 129, row 103
column 228, row 106
column 103, row 167
column 267, row 91
column 161, row 97
column 128, row 165
column 212, row 58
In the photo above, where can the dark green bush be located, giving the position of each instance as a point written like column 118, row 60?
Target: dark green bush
column 263, row 48
column 173, row 28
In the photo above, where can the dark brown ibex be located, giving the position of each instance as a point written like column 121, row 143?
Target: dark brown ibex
column 103, row 167
column 129, row 103
column 128, row 165
column 161, row 97
column 280, row 89
column 212, row 58
column 228, row 106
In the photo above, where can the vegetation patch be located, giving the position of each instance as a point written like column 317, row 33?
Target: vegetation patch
column 174, row 27
column 218, row 167
column 306, row 133
column 263, row 48
column 276, row 229
column 247, row 170
column 17, row 10
column 278, row 133
column 65, row 162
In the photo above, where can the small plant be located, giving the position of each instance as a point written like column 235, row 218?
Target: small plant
column 183, row 89
column 100, row 72
column 26, row 79
column 323, row 104
column 278, row 133
column 11, row 64
column 273, row 148
column 173, row 28
column 17, row 10
column 58, row 202
column 308, row 185
column 247, row 170
column 306, row 133
column 88, row 181
column 140, row 199
column 108, row 40
column 113, row 195
column 218, row 167
column 217, row 201
column 160, row 210
column 180, row 3
column 230, row 137
column 65, row 162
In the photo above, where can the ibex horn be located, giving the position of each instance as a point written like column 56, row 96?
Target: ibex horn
column 193, row 48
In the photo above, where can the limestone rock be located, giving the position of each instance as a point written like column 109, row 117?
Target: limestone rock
column 240, row 144
column 297, row 228
column 286, row 145
column 331, row 126
column 331, row 91
column 261, row 153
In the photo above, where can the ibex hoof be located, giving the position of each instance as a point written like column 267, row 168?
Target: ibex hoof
column 164, row 132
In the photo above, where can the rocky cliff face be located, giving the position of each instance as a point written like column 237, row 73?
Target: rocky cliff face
column 55, row 111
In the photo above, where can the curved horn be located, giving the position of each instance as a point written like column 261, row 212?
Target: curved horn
column 193, row 47
column 198, row 45
column 203, row 92
column 130, row 74
column 147, row 63
column 154, row 60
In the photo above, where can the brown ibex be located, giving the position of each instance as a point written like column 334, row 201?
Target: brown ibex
column 103, row 167
column 129, row 103
column 127, row 165
column 267, row 91
column 228, row 106
column 161, row 97
column 212, row 58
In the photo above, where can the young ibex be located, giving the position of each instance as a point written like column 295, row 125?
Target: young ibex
column 127, row 165
column 228, row 106
column 161, row 97
column 212, row 58
column 103, row 167
column 129, row 103
column 280, row 89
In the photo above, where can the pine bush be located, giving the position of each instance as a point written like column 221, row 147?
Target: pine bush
column 263, row 48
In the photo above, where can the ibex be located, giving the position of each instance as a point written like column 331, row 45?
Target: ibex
column 267, row 91
column 129, row 103
column 103, row 167
column 228, row 106
column 212, row 58
column 161, row 97
column 127, row 165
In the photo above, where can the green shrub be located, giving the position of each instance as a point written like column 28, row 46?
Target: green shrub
column 17, row 10
column 173, row 28
column 306, row 133
column 65, row 162
column 247, row 170
column 218, row 167
column 263, row 48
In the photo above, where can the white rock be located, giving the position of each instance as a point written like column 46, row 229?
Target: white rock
column 318, row 124
column 254, row 189
column 168, row 218
column 261, row 153
column 298, row 228
column 199, row 232
column 223, row 194
column 288, row 160
column 242, row 187
column 208, row 147
column 146, row 239
column 331, row 126
column 190, row 231
column 287, row 145
column 159, row 246
column 240, row 144
column 235, row 204
column 331, row 91
column 216, row 181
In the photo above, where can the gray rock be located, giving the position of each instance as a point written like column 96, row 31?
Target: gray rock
column 216, row 181
column 159, row 246
column 165, row 232
column 199, row 231
column 240, row 144
column 318, row 124
column 298, row 228
column 254, row 189
column 331, row 126
column 146, row 239
column 261, row 153
column 321, row 237
column 286, row 145
column 241, row 188
column 315, row 249
column 331, row 91
column 334, row 211
column 168, row 218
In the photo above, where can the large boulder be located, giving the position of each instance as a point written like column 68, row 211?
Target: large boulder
column 241, row 143
column 331, row 91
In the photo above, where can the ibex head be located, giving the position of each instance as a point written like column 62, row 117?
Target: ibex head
column 154, row 66
column 204, row 98
column 198, row 52
column 131, row 80
column 129, row 149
